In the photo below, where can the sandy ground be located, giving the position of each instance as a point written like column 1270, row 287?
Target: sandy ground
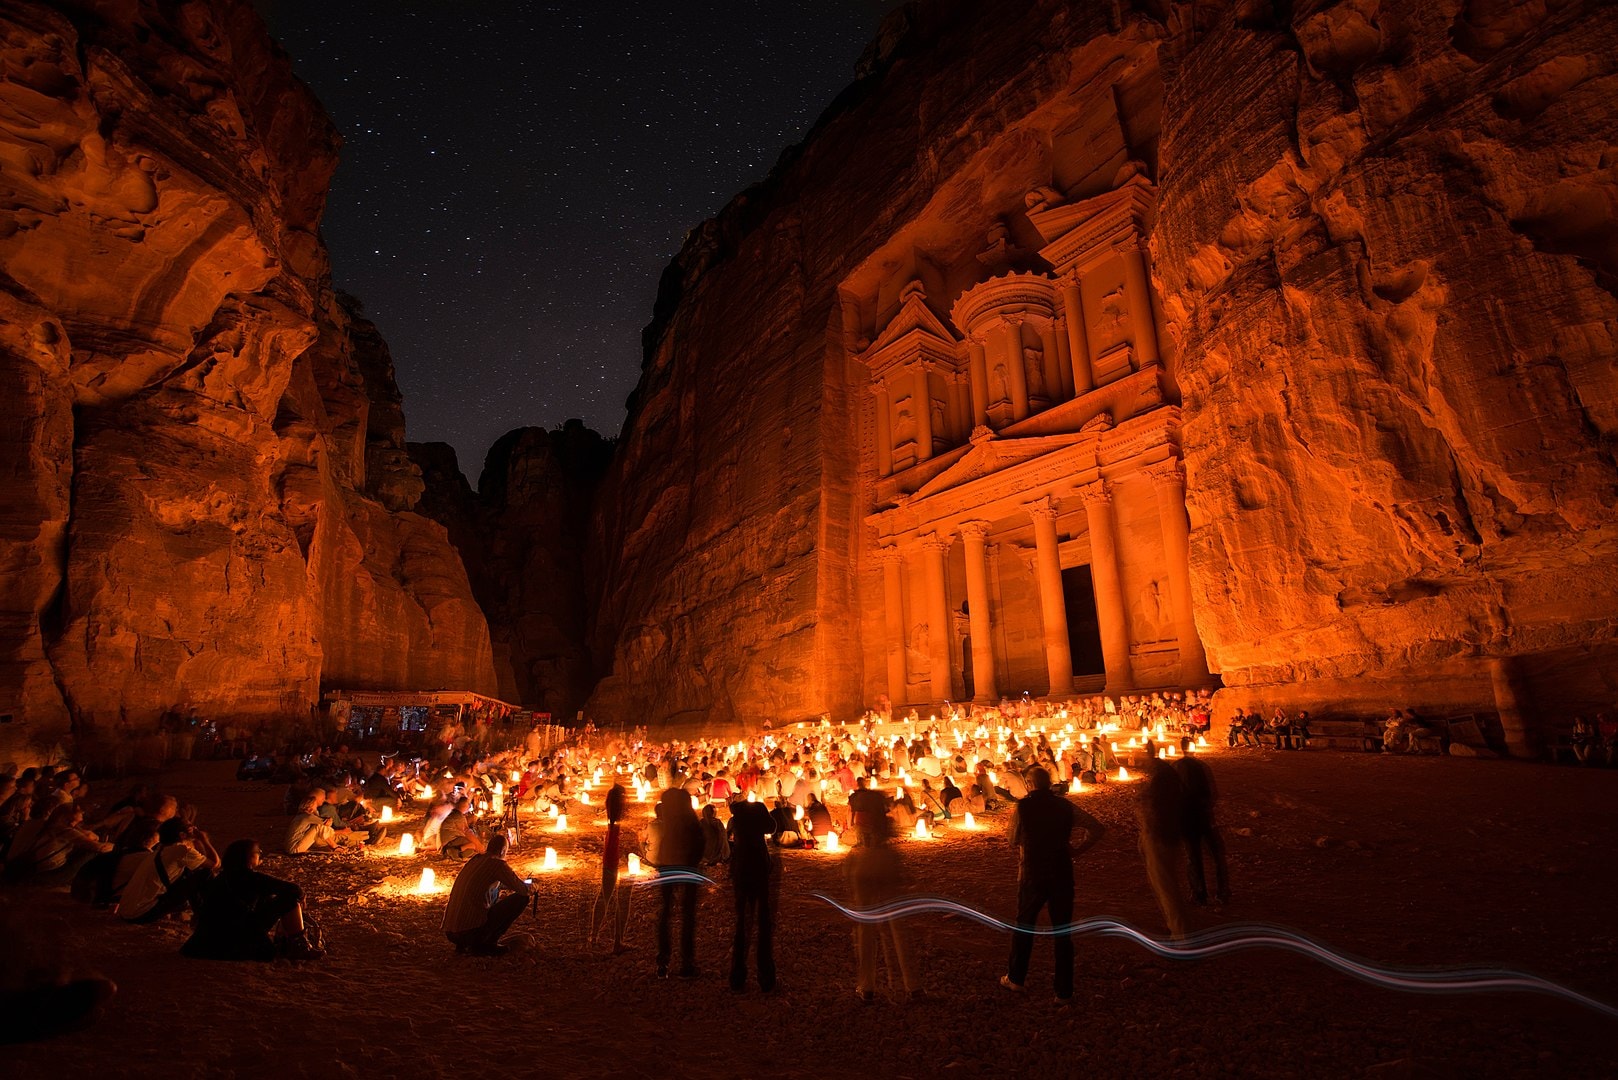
column 1417, row 862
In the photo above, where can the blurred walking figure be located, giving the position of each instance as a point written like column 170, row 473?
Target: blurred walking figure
column 754, row 876
column 1199, row 830
column 614, row 897
column 676, row 845
column 1160, row 809
column 1042, row 830
column 875, row 872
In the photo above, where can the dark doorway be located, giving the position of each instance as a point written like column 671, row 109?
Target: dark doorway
column 1083, row 629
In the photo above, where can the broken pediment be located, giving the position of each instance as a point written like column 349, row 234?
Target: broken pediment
column 989, row 456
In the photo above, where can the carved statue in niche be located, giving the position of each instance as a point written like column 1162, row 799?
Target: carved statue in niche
column 1033, row 361
column 917, row 656
column 1114, row 312
column 938, row 418
column 999, row 385
column 904, row 424
column 1152, row 614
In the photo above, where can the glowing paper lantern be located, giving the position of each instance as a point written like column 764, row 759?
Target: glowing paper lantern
column 550, row 858
column 921, row 829
column 831, row 842
column 584, row 797
column 561, row 823
column 967, row 822
column 555, row 813
column 407, row 844
column 696, row 803
column 797, row 813
column 1123, row 773
column 387, row 814
column 515, row 776
column 428, row 880
column 752, row 797
column 634, row 864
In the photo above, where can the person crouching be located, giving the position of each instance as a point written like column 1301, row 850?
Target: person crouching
column 471, row 922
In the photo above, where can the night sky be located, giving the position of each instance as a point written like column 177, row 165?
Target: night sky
column 515, row 176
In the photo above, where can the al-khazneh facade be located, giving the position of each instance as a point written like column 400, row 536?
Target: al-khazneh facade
column 1026, row 527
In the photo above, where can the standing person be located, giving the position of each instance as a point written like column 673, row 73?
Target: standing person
column 1042, row 830
column 676, row 847
column 754, row 875
column 1199, row 830
column 875, row 873
column 613, row 898
column 1160, row 809
column 471, row 921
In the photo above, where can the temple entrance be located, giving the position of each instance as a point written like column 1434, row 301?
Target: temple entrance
column 1083, row 628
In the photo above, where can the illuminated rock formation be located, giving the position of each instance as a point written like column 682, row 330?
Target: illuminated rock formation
column 1343, row 276
column 523, row 535
column 206, row 497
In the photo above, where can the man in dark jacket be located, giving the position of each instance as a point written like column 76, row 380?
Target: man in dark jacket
column 1199, row 830
column 1042, row 829
column 676, row 836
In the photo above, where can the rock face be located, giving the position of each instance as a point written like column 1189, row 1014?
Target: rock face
column 1383, row 259
column 207, row 496
column 523, row 535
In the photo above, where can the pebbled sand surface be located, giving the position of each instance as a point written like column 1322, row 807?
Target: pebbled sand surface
column 1402, row 861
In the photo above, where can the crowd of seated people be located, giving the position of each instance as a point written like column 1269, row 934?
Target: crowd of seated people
column 145, row 858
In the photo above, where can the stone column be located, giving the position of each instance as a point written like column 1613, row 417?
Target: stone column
column 884, row 431
column 922, row 400
column 1052, row 604
column 1508, row 703
column 1110, row 611
column 1078, row 340
column 893, row 617
column 978, row 364
column 1016, row 374
column 1056, row 373
column 1168, row 481
column 973, row 535
column 1138, row 294
column 940, row 627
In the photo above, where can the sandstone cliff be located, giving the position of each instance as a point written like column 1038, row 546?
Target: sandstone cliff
column 523, row 536
column 206, row 492
column 1384, row 257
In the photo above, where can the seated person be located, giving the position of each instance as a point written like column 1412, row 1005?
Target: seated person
column 57, row 849
column 818, row 816
column 170, row 877
column 785, row 830
column 308, row 831
column 715, row 841
column 950, row 795
column 456, row 837
column 355, row 815
column 240, row 906
column 471, row 921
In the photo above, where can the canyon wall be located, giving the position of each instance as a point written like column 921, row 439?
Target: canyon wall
column 1383, row 258
column 207, row 499
column 523, row 535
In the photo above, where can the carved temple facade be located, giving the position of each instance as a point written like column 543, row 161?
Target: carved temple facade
column 1026, row 525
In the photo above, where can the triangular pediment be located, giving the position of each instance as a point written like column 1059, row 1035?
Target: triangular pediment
column 914, row 317
column 991, row 455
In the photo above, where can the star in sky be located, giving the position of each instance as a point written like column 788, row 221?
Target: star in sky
column 515, row 176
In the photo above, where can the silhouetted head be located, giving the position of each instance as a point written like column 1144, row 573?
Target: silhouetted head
column 171, row 830
column 497, row 845
column 240, row 857
column 617, row 802
column 1039, row 779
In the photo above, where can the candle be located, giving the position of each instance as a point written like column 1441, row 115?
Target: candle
column 634, row 864
column 387, row 814
column 550, row 858
column 407, row 844
column 561, row 823
column 428, row 882
column 1123, row 773
column 831, row 841
column 921, row 829
column 967, row 822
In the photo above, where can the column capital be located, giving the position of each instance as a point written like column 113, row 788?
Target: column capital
column 1170, row 473
column 974, row 530
column 940, row 543
column 1013, row 319
column 979, row 340
column 1041, row 509
column 889, row 553
column 1129, row 245
column 1096, row 494
column 1070, row 280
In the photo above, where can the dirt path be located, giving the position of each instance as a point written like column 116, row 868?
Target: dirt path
column 1410, row 862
